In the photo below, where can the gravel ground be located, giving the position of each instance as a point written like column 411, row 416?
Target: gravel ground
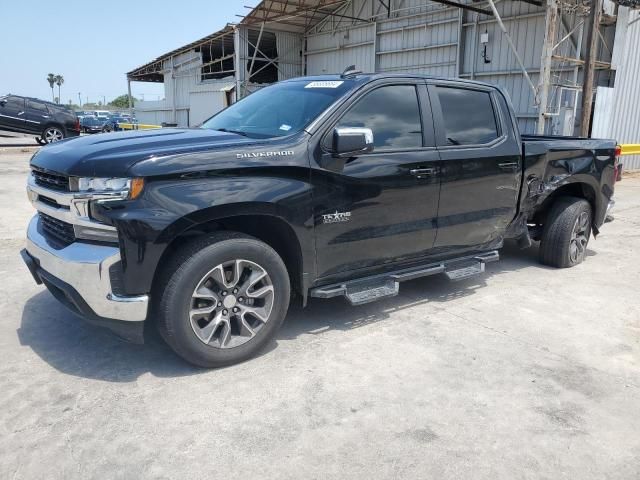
column 525, row 372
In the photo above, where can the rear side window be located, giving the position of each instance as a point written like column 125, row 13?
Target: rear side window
column 40, row 107
column 469, row 118
column 392, row 113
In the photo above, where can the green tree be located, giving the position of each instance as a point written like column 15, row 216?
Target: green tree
column 123, row 101
column 51, row 78
column 59, row 81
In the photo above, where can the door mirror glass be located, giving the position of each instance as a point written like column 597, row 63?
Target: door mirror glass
column 352, row 141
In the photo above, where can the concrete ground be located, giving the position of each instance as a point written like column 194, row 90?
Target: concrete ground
column 526, row 372
column 12, row 139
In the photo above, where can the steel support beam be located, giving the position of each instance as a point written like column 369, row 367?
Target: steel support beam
column 129, row 97
column 551, row 21
column 589, row 66
column 471, row 8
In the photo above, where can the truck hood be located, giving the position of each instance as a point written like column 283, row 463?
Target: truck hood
column 113, row 154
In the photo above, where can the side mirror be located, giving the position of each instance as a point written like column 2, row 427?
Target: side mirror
column 3, row 102
column 350, row 141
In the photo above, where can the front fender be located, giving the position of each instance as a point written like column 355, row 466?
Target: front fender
column 168, row 208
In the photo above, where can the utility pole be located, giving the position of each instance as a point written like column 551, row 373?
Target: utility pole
column 589, row 65
column 79, row 100
column 551, row 20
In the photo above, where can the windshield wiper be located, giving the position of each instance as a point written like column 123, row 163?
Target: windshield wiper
column 237, row 132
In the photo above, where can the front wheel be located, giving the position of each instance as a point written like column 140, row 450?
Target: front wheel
column 566, row 233
column 52, row 134
column 226, row 295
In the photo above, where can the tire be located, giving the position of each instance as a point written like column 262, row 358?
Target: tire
column 52, row 134
column 106, row 129
column 566, row 233
column 195, row 284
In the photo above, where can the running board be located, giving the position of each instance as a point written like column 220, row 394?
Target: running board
column 370, row 289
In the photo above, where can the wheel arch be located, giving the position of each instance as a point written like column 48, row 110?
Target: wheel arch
column 576, row 189
column 269, row 228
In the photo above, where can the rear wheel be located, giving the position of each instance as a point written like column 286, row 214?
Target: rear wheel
column 566, row 233
column 226, row 295
column 52, row 134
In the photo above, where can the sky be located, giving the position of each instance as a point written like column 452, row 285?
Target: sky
column 93, row 44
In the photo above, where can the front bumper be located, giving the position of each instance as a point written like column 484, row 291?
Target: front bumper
column 78, row 275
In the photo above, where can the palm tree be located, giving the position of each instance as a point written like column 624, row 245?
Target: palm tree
column 59, row 81
column 51, row 78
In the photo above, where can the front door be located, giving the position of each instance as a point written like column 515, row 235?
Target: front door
column 12, row 113
column 480, row 166
column 379, row 208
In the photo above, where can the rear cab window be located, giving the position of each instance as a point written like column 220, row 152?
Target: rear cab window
column 37, row 106
column 469, row 116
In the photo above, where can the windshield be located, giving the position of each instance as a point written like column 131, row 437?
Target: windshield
column 278, row 110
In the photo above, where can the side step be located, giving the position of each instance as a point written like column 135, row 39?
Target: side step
column 370, row 289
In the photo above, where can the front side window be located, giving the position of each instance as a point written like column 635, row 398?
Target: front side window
column 13, row 103
column 392, row 113
column 469, row 118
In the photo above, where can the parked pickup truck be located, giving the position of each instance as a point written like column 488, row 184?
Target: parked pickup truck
column 326, row 186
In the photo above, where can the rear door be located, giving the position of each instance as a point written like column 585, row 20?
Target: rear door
column 480, row 167
column 12, row 113
column 37, row 116
column 378, row 209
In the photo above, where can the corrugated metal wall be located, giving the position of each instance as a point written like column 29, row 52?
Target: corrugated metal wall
column 183, row 89
column 625, row 122
column 424, row 37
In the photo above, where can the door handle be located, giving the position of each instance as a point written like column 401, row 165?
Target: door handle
column 20, row 113
column 509, row 166
column 422, row 172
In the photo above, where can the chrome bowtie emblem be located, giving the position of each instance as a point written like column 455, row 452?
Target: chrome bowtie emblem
column 336, row 217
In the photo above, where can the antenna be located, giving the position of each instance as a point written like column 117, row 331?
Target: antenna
column 350, row 71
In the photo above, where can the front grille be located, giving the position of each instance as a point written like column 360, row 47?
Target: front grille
column 58, row 229
column 54, row 181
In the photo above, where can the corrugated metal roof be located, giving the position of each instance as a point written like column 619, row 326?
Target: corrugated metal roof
column 297, row 15
column 150, row 72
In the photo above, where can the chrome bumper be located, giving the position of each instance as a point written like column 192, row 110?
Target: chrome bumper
column 85, row 267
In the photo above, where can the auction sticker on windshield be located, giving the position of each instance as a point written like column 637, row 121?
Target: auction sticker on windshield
column 325, row 84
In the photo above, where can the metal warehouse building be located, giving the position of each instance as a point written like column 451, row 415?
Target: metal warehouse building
column 544, row 54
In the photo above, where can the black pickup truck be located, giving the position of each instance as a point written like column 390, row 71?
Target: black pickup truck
column 341, row 185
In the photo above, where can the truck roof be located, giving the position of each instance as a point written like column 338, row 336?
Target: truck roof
column 367, row 77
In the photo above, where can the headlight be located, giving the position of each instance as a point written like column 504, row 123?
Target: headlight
column 103, row 184
column 118, row 187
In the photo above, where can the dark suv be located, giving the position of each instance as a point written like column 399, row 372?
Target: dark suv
column 29, row 115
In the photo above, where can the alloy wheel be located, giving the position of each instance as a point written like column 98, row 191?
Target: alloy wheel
column 53, row 134
column 579, row 238
column 231, row 303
